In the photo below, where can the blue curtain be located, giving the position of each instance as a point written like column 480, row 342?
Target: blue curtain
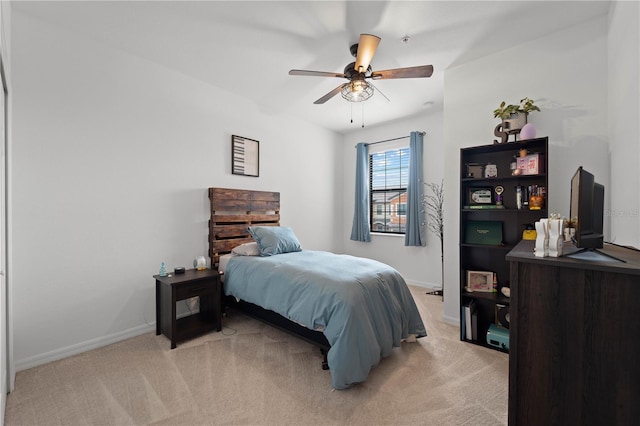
column 415, row 192
column 360, row 229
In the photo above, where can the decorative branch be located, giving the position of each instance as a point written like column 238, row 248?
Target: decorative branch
column 433, row 203
column 434, row 208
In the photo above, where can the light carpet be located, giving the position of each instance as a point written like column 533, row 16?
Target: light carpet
column 253, row 374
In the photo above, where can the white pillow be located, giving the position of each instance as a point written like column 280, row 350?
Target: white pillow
column 247, row 249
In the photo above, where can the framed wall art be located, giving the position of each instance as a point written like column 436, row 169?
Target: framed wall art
column 245, row 156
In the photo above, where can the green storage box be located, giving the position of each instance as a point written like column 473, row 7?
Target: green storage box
column 483, row 232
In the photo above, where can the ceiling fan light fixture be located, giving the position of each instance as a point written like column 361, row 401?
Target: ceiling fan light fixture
column 357, row 91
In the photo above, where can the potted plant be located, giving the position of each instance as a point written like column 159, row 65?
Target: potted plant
column 514, row 117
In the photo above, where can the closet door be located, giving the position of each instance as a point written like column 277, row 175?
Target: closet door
column 6, row 356
column 4, row 315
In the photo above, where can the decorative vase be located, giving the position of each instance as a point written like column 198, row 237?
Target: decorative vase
column 541, row 248
column 555, row 238
column 528, row 131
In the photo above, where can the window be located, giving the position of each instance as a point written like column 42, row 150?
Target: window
column 388, row 180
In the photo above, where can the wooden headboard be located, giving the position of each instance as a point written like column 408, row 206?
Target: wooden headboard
column 232, row 212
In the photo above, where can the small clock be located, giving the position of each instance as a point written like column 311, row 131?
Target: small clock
column 490, row 171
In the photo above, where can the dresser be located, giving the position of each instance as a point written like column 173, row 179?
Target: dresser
column 574, row 338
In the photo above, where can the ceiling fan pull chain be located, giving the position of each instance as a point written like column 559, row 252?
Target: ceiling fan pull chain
column 351, row 103
column 363, row 114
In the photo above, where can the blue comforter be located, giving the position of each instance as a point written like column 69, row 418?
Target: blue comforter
column 363, row 306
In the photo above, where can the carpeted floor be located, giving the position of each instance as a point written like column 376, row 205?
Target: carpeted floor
column 253, row 374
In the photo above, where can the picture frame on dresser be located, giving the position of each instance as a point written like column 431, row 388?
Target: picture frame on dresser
column 245, row 156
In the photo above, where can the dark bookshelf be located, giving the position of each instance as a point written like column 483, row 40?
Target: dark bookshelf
column 491, row 257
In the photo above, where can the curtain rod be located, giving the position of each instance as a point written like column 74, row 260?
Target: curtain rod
column 394, row 139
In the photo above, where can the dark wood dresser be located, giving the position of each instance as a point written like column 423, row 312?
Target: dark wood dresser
column 574, row 339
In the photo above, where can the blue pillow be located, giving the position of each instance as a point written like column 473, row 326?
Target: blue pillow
column 274, row 240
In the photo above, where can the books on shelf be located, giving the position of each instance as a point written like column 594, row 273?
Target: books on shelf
column 484, row 207
column 474, row 325
column 470, row 320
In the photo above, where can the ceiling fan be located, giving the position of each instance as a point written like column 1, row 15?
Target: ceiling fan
column 358, row 89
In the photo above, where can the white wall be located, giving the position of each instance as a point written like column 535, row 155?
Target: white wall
column 566, row 74
column 624, row 122
column 418, row 265
column 112, row 159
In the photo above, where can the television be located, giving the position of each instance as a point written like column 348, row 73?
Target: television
column 587, row 210
column 587, row 214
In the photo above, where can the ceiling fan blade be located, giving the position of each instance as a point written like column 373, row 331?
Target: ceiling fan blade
column 378, row 90
column 367, row 46
column 331, row 94
column 409, row 72
column 316, row 73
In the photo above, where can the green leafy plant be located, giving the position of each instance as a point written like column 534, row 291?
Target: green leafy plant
column 526, row 105
column 504, row 111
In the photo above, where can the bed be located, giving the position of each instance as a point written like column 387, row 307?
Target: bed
column 354, row 309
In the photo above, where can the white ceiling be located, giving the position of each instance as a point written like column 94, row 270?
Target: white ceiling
column 248, row 48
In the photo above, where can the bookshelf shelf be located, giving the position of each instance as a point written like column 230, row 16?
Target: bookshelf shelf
column 522, row 178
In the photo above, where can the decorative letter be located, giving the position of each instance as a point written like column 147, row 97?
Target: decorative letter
column 502, row 135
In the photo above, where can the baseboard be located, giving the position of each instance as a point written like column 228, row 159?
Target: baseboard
column 3, row 395
column 451, row 320
column 422, row 284
column 79, row 348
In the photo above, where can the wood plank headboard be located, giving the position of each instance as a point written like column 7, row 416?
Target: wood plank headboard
column 232, row 212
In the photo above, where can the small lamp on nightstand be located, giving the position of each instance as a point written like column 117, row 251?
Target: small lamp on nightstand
column 200, row 263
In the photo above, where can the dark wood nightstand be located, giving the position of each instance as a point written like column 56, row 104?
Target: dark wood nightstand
column 206, row 285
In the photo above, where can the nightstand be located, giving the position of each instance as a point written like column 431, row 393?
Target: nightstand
column 204, row 284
